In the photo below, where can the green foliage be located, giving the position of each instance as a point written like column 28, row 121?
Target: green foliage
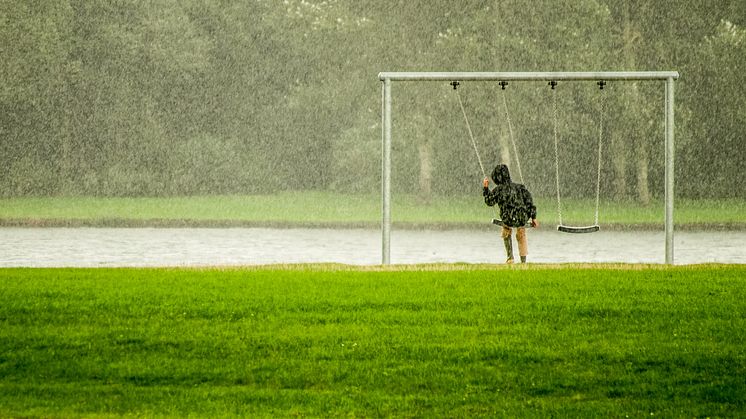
column 331, row 341
column 355, row 160
column 723, row 51
column 105, row 95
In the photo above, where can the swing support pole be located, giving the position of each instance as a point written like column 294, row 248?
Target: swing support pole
column 386, row 123
column 386, row 174
column 669, row 188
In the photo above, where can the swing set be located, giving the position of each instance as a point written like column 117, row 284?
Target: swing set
column 553, row 84
column 553, row 78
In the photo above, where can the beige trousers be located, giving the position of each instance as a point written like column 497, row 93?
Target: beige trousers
column 520, row 236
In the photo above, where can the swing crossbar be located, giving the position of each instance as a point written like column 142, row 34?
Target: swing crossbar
column 584, row 229
column 529, row 76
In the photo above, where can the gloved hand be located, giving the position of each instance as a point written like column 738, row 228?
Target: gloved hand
column 534, row 223
column 486, row 183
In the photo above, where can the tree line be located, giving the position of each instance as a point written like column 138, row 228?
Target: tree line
column 115, row 98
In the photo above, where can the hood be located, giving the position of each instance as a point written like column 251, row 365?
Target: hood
column 501, row 175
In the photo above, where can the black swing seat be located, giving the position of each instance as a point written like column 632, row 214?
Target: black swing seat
column 585, row 229
column 499, row 222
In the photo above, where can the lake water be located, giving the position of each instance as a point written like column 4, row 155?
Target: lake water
column 122, row 247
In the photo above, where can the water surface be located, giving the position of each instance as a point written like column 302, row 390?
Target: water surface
column 86, row 247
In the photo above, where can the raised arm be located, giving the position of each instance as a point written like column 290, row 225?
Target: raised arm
column 489, row 197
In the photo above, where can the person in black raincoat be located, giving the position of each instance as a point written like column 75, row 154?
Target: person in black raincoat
column 517, row 209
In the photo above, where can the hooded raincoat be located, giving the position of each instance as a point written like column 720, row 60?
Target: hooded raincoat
column 515, row 202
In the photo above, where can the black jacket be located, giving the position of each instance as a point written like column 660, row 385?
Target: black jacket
column 515, row 202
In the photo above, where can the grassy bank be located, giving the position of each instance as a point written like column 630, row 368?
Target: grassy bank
column 327, row 209
column 603, row 341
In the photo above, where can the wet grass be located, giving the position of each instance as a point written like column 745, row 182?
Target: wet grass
column 330, row 340
column 329, row 209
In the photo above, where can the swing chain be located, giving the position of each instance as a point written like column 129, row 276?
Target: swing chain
column 600, row 138
column 468, row 128
column 512, row 136
column 556, row 153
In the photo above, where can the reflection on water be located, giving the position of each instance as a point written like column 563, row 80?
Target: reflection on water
column 84, row 247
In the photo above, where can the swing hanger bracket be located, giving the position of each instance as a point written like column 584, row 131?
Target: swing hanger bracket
column 503, row 84
column 601, row 84
column 553, row 84
column 455, row 84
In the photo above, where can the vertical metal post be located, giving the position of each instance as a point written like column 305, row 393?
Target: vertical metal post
column 669, row 191
column 386, row 175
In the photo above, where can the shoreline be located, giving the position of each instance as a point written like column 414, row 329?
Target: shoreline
column 192, row 223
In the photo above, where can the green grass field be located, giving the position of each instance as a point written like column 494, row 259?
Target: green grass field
column 329, row 209
column 422, row 341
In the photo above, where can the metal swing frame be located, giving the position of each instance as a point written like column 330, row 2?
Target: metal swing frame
column 387, row 79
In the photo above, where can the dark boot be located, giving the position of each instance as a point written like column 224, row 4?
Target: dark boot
column 509, row 249
column 523, row 259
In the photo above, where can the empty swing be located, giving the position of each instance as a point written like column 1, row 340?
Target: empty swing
column 561, row 226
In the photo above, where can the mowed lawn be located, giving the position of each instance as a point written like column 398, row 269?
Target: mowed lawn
column 425, row 341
